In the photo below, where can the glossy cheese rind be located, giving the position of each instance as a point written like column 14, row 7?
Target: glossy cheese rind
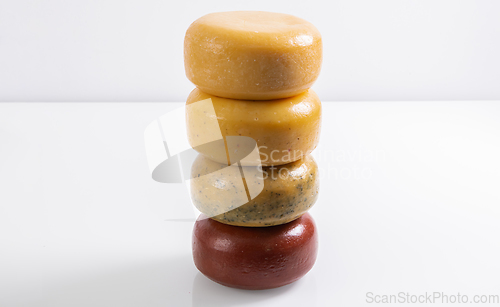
column 255, row 258
column 285, row 129
column 252, row 55
column 289, row 191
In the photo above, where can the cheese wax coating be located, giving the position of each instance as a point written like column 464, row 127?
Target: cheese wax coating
column 289, row 191
column 285, row 129
column 252, row 55
column 255, row 258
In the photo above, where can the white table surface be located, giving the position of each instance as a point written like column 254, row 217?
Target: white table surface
column 409, row 202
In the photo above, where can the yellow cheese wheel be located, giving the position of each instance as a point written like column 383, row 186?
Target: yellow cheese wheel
column 288, row 192
column 285, row 129
column 252, row 55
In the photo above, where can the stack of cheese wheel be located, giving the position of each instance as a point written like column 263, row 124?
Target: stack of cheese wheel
column 256, row 68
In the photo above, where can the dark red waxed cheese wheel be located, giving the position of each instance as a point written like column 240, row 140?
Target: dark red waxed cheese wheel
column 255, row 257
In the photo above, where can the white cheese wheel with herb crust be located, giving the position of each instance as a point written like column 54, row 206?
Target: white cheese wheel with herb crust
column 290, row 190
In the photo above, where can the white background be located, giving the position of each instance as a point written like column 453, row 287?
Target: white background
column 131, row 50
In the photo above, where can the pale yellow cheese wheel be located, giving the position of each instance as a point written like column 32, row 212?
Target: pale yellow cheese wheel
column 289, row 191
column 285, row 129
column 252, row 55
